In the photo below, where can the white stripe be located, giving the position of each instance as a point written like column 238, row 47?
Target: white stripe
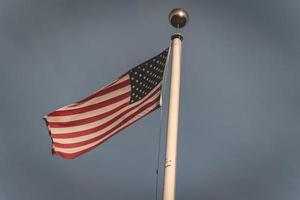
column 69, row 118
column 63, row 130
column 78, row 149
column 100, row 132
column 90, row 125
column 100, row 98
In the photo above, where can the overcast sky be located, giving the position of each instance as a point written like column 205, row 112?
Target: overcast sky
column 239, row 136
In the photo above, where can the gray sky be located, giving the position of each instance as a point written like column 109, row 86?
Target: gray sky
column 240, row 103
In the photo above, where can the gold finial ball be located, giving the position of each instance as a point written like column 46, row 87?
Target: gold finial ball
column 178, row 17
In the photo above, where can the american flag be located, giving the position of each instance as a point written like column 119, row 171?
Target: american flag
column 80, row 127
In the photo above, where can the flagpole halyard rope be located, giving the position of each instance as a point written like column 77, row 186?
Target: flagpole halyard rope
column 161, row 120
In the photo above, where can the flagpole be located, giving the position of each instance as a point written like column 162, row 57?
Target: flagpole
column 178, row 18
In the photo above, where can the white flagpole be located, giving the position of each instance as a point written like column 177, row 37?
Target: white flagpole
column 178, row 18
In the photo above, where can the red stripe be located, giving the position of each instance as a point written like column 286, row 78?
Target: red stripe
column 74, row 155
column 86, row 120
column 112, row 83
column 78, row 144
column 107, row 89
column 95, row 129
column 94, row 118
column 91, row 107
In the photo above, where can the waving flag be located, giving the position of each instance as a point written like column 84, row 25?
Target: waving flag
column 80, row 127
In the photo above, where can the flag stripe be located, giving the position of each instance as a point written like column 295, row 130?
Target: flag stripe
column 94, row 97
column 80, row 127
column 79, row 153
column 74, row 152
column 92, row 107
column 84, row 133
column 98, row 99
column 115, row 85
column 99, row 137
column 87, row 120
column 93, row 113
column 123, row 81
column 66, row 140
column 99, row 119
column 69, row 118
